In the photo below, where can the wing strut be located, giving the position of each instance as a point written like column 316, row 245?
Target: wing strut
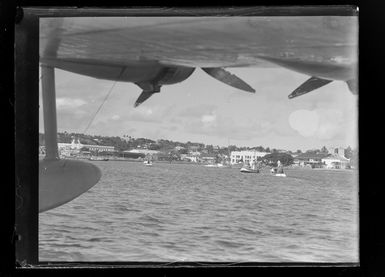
column 49, row 111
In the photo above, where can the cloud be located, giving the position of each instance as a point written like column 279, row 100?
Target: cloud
column 323, row 124
column 221, row 126
column 196, row 111
column 69, row 103
column 115, row 117
column 209, row 120
column 144, row 114
column 304, row 122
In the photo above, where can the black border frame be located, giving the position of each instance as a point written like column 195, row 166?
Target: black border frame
column 371, row 235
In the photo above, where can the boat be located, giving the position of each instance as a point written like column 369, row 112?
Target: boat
column 280, row 175
column 98, row 159
column 249, row 170
column 147, row 163
column 278, row 171
column 215, row 165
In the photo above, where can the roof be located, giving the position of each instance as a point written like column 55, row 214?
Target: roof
column 336, row 157
column 306, row 156
column 144, row 151
column 208, row 156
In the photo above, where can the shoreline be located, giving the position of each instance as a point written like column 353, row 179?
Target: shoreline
column 198, row 164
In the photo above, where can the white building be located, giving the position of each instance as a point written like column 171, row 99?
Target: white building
column 75, row 146
column 335, row 162
column 245, row 156
column 144, row 151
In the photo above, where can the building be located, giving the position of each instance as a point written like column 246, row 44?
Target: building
column 339, row 151
column 245, row 156
column 132, row 155
column 336, row 162
column 190, row 158
column 144, row 151
column 208, row 158
column 310, row 159
column 75, row 147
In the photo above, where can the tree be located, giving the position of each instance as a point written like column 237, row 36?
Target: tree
column 232, row 148
column 324, row 149
column 260, row 149
column 209, row 148
column 154, row 146
column 348, row 152
column 183, row 151
column 273, row 158
column 354, row 158
column 299, row 151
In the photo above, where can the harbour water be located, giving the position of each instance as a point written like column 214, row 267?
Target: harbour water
column 185, row 212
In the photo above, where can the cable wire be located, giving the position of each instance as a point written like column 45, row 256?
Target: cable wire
column 104, row 100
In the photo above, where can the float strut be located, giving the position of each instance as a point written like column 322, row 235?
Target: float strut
column 49, row 111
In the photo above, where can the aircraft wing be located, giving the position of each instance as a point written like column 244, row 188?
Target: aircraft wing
column 324, row 47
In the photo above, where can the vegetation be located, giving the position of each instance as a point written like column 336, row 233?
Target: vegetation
column 273, row 158
column 175, row 148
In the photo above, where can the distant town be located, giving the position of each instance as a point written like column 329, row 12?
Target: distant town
column 76, row 145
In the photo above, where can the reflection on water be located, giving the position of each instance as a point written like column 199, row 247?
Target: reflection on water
column 181, row 212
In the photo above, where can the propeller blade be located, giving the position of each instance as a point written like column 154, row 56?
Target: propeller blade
column 229, row 79
column 311, row 84
column 353, row 86
column 143, row 97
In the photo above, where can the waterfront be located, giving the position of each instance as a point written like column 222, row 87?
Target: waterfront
column 186, row 212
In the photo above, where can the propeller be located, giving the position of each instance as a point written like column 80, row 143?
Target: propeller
column 229, row 79
column 311, row 84
column 143, row 97
column 153, row 86
column 353, row 86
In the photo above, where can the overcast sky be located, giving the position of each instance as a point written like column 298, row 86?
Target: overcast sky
column 201, row 109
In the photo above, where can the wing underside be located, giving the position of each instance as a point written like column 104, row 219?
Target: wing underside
column 324, row 47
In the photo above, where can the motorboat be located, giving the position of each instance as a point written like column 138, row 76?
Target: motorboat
column 280, row 175
column 147, row 163
column 215, row 165
column 278, row 171
column 98, row 159
column 249, row 170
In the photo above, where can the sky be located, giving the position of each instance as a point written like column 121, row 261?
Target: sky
column 202, row 109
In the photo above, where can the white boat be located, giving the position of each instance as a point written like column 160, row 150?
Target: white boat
column 215, row 165
column 280, row 175
column 249, row 170
column 98, row 159
column 278, row 171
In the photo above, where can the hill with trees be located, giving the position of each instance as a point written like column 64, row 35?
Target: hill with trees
column 273, row 158
column 127, row 142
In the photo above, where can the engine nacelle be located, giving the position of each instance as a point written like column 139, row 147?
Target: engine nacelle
column 136, row 72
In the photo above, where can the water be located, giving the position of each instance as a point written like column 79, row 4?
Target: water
column 182, row 212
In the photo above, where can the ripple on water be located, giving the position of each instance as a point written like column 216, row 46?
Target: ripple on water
column 211, row 214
